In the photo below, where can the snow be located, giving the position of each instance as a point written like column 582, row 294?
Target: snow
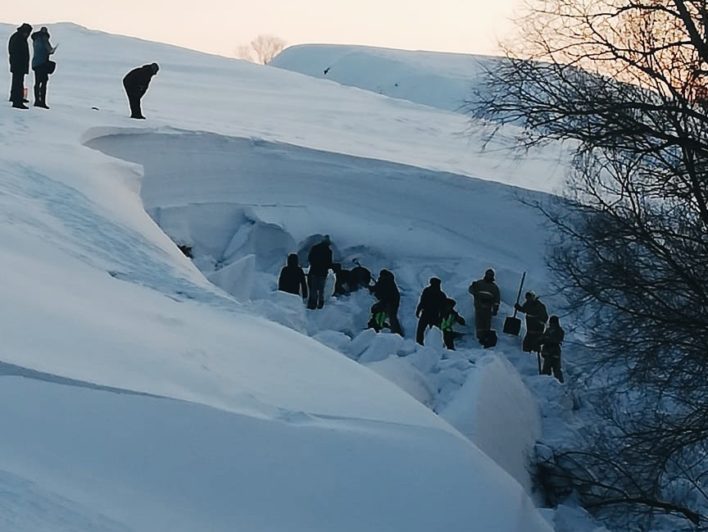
column 442, row 80
column 143, row 391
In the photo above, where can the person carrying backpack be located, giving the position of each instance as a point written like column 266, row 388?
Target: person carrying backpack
column 292, row 278
column 551, row 341
column 379, row 317
column 536, row 318
column 448, row 319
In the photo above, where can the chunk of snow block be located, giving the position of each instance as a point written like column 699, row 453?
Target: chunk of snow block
column 404, row 375
column 361, row 342
column 381, row 347
column 237, row 278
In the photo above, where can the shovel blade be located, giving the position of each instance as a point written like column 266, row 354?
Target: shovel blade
column 512, row 326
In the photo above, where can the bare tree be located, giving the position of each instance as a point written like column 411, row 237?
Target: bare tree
column 262, row 49
column 625, row 82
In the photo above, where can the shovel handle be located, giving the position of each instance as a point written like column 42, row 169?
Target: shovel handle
column 518, row 296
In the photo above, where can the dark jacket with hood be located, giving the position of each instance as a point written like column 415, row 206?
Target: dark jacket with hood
column 551, row 341
column 18, row 50
column 536, row 315
column 292, row 278
column 432, row 302
column 138, row 79
column 41, row 49
column 320, row 259
column 486, row 294
column 386, row 291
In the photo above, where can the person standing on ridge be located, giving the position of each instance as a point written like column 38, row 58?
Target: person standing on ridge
column 18, row 50
column 486, row 304
column 136, row 83
column 292, row 278
column 429, row 309
column 320, row 260
column 551, row 341
column 386, row 291
column 536, row 318
column 448, row 319
column 41, row 65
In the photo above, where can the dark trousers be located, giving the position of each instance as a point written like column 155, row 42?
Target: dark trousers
column 449, row 339
column 423, row 323
column 134, row 97
column 41, row 77
column 17, row 88
column 531, row 341
column 482, row 321
column 316, row 285
column 552, row 364
column 392, row 312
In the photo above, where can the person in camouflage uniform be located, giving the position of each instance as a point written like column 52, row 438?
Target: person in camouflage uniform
column 486, row 303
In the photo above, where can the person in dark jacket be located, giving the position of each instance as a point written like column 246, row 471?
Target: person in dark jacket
column 551, row 341
column 387, row 293
column 320, row 260
column 536, row 318
column 486, row 304
column 18, row 50
column 429, row 309
column 41, row 65
column 292, row 278
column 448, row 318
column 379, row 317
column 136, row 83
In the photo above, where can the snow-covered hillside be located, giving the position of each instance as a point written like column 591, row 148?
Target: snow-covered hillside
column 137, row 395
column 442, row 80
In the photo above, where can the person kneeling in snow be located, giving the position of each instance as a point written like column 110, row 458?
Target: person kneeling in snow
column 449, row 318
column 379, row 317
column 292, row 278
column 136, row 83
column 387, row 293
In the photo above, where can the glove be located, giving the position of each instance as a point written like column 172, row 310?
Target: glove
column 495, row 310
column 517, row 306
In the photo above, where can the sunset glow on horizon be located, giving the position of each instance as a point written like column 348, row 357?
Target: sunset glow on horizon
column 468, row 26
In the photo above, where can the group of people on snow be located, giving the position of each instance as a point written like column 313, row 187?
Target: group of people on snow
column 544, row 334
column 136, row 82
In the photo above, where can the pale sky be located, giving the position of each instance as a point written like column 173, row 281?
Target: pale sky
column 220, row 26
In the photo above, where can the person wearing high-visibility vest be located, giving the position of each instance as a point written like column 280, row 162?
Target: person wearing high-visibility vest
column 448, row 319
column 379, row 317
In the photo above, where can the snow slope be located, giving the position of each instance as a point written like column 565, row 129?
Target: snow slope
column 442, row 80
column 138, row 396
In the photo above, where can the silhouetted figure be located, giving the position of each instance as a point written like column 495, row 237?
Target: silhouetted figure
column 448, row 319
column 486, row 304
column 379, row 317
column 18, row 50
column 292, row 278
column 320, row 260
column 359, row 277
column 429, row 309
column 41, row 65
column 551, row 341
column 136, row 83
column 387, row 293
column 536, row 318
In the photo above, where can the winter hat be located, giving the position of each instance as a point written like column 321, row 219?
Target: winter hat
column 434, row 281
column 489, row 274
column 155, row 68
column 553, row 320
column 25, row 28
column 531, row 295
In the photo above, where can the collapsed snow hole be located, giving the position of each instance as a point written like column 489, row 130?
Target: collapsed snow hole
column 240, row 206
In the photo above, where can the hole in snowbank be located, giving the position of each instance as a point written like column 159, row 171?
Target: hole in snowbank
column 240, row 206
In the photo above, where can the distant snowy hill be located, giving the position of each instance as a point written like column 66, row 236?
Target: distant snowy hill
column 143, row 391
column 442, row 80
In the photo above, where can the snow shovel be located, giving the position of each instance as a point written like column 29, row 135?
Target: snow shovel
column 512, row 324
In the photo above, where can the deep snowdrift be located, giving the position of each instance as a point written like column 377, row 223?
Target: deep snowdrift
column 238, row 423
